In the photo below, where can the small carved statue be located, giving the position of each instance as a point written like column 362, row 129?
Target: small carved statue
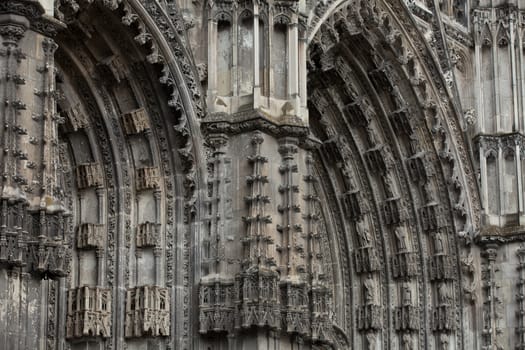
column 400, row 234
column 389, row 186
column 371, row 340
column 443, row 339
column 407, row 294
column 444, row 294
column 408, row 342
column 438, row 242
column 363, row 233
column 371, row 137
column 369, row 289
column 348, row 178
column 427, row 193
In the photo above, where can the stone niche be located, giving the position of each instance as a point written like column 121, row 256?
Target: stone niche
column 147, row 312
column 88, row 313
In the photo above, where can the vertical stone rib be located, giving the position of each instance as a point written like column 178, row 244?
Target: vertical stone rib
column 257, row 238
column 12, row 30
column 292, row 266
column 492, row 315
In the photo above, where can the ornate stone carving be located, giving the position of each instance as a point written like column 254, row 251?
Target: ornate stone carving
column 406, row 316
column 360, row 112
column 112, row 67
column 430, row 215
column 419, row 168
column 75, row 118
column 217, row 306
column 443, row 315
column 135, row 121
column 369, row 315
column 366, row 260
column 401, row 122
column 90, row 236
column 258, row 289
column 147, row 178
column 12, row 32
column 441, row 267
column 47, row 258
column 392, row 211
column 147, row 312
column 376, row 160
column 148, row 235
column 493, row 305
column 295, row 304
column 88, row 313
column 89, row 175
column 354, row 205
column 404, row 264
column 365, row 237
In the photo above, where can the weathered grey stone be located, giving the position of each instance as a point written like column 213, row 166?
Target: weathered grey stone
column 262, row 175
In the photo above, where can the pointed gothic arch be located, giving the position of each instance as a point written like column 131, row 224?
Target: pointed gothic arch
column 392, row 136
column 131, row 106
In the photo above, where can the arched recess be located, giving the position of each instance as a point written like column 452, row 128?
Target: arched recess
column 129, row 107
column 398, row 177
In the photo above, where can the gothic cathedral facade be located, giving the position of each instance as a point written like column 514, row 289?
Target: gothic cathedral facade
column 262, row 174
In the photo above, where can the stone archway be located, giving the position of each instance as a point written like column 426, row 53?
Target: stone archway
column 394, row 162
column 116, row 108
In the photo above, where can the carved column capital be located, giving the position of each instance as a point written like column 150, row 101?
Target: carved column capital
column 218, row 141
column 12, row 32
